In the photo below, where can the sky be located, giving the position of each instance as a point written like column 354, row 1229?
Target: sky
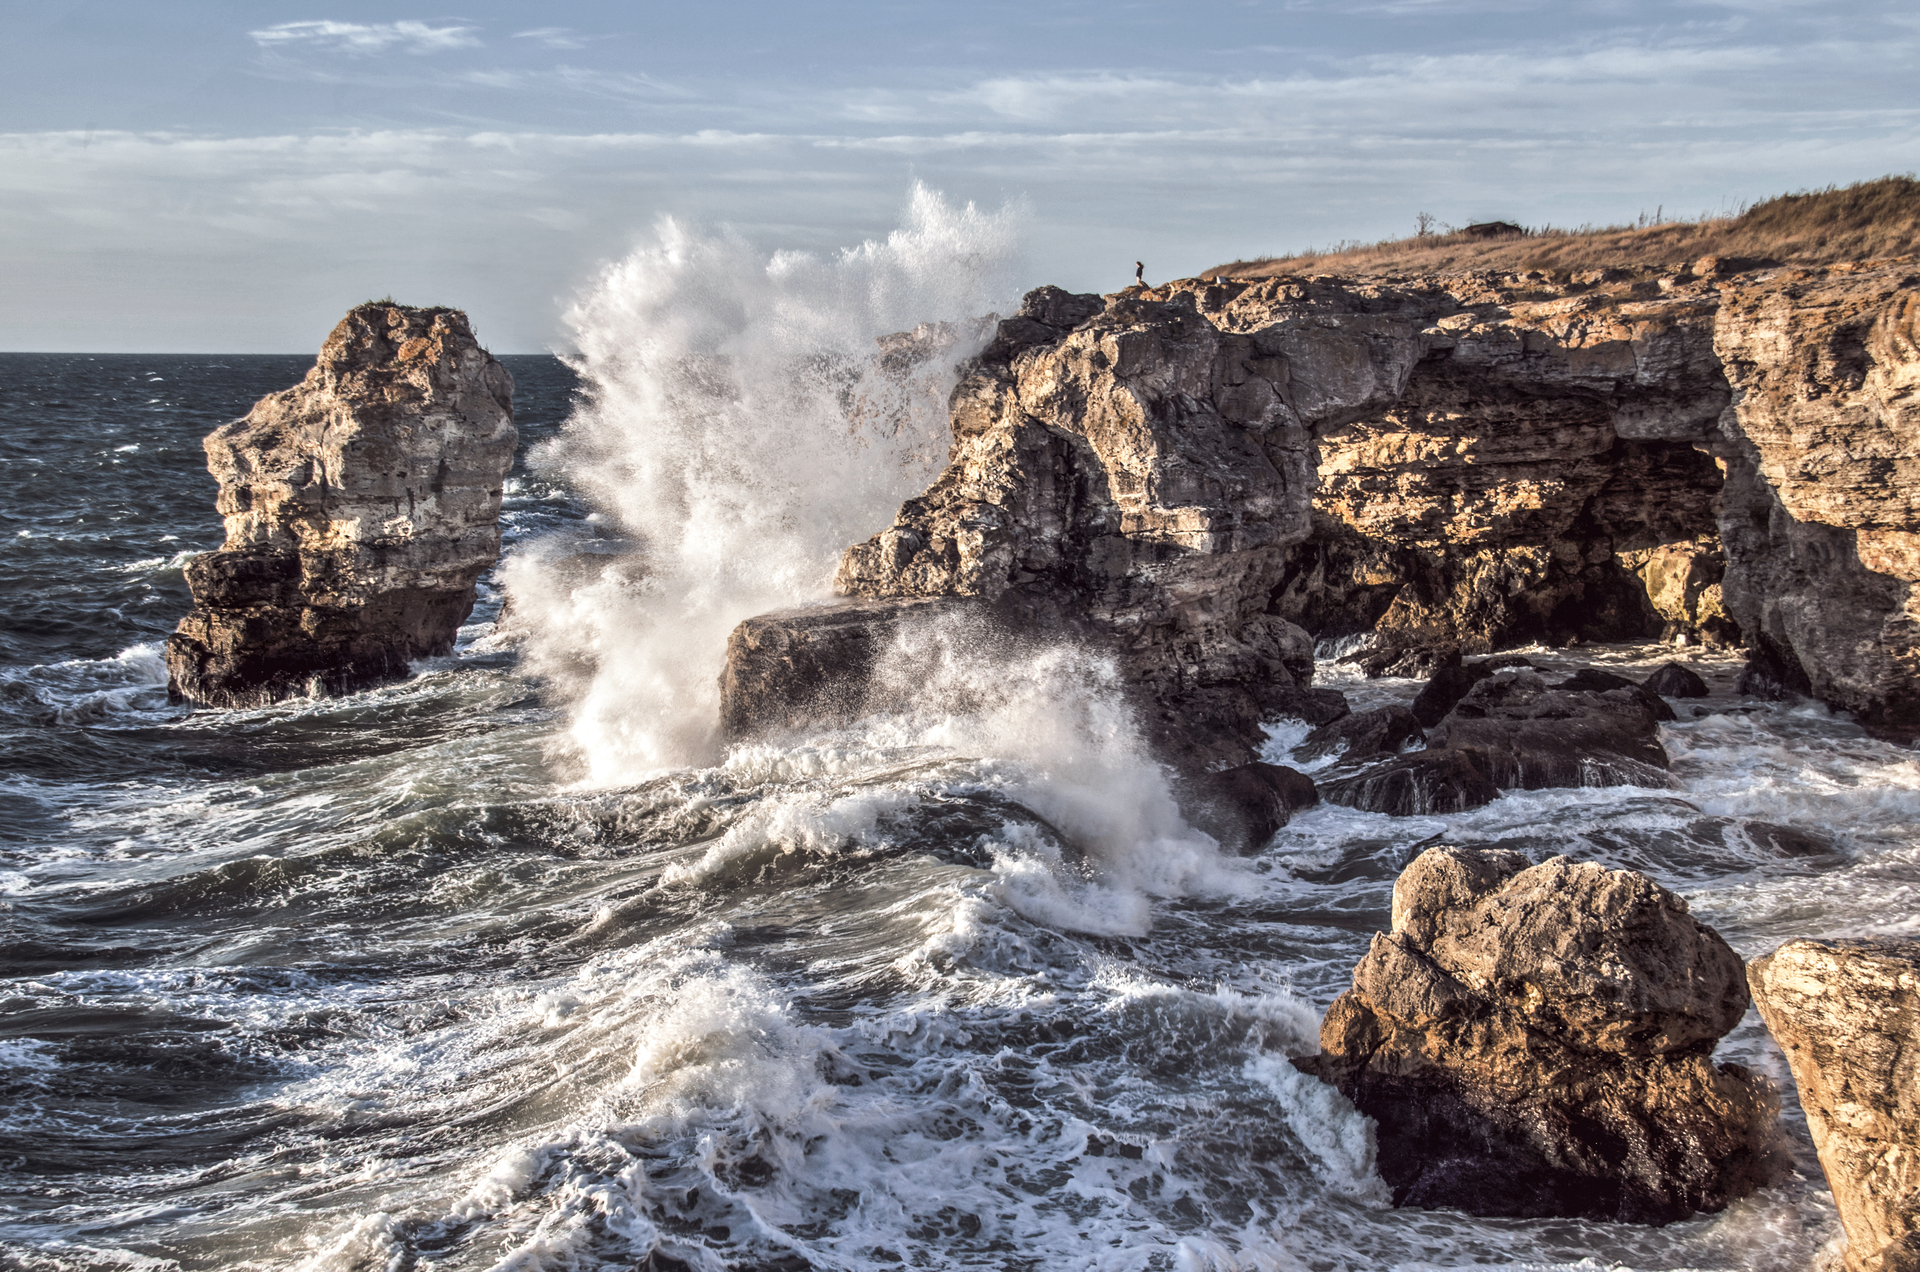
column 229, row 177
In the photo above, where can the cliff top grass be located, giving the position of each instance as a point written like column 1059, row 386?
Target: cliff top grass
column 1863, row 221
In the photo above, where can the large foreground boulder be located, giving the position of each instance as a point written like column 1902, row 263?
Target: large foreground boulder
column 1847, row 1013
column 362, row 505
column 1537, row 1041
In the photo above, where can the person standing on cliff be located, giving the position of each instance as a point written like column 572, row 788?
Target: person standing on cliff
column 1139, row 274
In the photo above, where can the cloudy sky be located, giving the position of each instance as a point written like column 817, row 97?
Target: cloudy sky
column 201, row 176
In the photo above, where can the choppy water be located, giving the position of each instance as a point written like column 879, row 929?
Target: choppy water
column 384, row 982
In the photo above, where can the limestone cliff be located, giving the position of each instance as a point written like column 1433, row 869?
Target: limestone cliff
column 1206, row 473
column 361, row 507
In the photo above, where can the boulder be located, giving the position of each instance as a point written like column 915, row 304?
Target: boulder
column 815, row 665
column 1381, row 731
column 361, row 506
column 1528, row 736
column 1537, row 1041
column 1246, row 806
column 1676, row 681
column 1442, row 693
column 1847, row 1014
column 1422, row 783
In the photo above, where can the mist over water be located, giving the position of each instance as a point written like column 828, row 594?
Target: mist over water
column 508, row 967
column 742, row 424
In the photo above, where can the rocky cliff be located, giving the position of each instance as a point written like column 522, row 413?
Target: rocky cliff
column 361, row 506
column 1207, row 474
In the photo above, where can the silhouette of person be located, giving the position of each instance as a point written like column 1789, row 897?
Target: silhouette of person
column 1139, row 273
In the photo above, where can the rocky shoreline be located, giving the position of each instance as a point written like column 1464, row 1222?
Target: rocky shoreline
column 1197, row 483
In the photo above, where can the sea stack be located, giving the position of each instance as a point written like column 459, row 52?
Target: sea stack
column 1537, row 1041
column 1847, row 1013
column 361, row 507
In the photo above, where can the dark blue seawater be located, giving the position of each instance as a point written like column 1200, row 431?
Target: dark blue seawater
column 372, row 983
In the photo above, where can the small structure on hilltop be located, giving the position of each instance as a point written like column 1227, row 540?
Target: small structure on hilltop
column 362, row 505
column 1493, row 230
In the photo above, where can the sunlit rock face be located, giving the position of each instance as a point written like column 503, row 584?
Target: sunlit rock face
column 361, row 507
column 1847, row 1014
column 1203, row 477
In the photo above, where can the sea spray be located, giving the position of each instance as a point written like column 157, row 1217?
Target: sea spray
column 745, row 418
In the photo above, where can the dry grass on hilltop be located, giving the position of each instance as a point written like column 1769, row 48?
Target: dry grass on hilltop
column 1866, row 220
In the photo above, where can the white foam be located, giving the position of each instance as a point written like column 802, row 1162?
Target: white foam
column 742, row 427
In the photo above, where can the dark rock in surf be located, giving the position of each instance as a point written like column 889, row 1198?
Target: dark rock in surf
column 1381, row 731
column 1773, row 673
column 1249, row 804
column 815, row 665
column 1536, row 1041
column 361, row 506
column 1676, row 681
column 1592, row 679
column 1411, row 661
column 1847, row 1013
column 1421, row 783
column 1527, row 736
column 1448, row 686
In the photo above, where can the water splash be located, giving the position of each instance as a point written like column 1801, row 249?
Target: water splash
column 747, row 417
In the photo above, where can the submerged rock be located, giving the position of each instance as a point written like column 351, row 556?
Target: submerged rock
column 1847, row 1013
column 361, row 507
column 1536, row 1041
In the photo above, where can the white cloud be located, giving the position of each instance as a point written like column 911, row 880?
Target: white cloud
column 365, row 38
column 553, row 37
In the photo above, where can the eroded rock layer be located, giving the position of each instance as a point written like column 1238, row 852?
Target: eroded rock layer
column 361, row 507
column 1537, row 1041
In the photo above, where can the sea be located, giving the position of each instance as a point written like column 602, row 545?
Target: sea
column 516, row 965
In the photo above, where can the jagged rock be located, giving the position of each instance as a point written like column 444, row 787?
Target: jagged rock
column 1251, row 803
column 1536, row 1041
column 1421, row 783
column 1383, row 730
column 1444, row 691
column 1192, row 475
column 1128, row 470
column 1822, row 498
column 361, row 507
column 1676, row 681
column 1528, row 736
column 1847, row 1014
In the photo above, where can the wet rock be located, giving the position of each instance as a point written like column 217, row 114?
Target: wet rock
column 1676, row 681
column 1442, row 693
column 1246, row 806
column 1592, row 678
column 361, row 507
column 1847, row 1014
column 815, row 665
column 1411, row 661
column 1773, row 673
column 1422, row 783
column 1137, row 473
column 1536, row 1041
column 1381, row 731
column 1528, row 736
